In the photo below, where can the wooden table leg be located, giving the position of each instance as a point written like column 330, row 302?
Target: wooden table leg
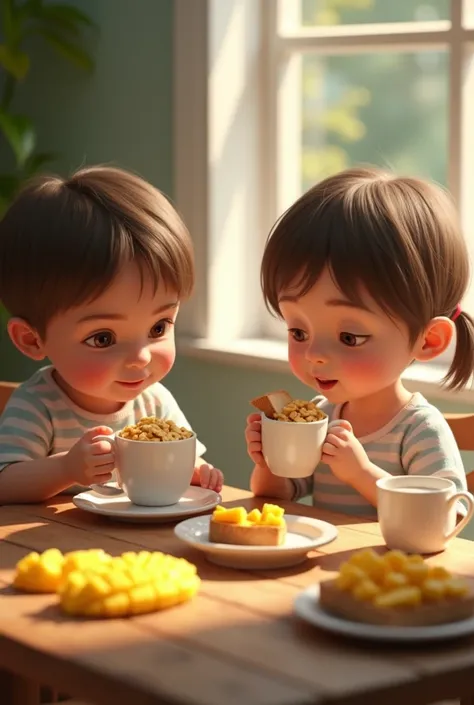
column 16, row 690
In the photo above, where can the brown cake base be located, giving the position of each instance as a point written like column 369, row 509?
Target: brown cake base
column 220, row 532
column 343, row 604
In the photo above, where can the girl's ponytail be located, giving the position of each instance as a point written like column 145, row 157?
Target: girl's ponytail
column 462, row 366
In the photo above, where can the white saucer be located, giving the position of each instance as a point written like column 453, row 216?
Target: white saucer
column 303, row 534
column 308, row 608
column 194, row 501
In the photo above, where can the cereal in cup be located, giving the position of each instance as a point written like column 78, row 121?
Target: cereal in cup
column 300, row 411
column 150, row 428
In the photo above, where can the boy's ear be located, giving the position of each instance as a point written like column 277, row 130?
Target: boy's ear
column 435, row 340
column 26, row 338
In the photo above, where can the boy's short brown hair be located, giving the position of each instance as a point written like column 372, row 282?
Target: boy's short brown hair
column 62, row 241
column 397, row 238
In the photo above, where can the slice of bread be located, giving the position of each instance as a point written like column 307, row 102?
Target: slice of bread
column 220, row 532
column 272, row 403
column 343, row 604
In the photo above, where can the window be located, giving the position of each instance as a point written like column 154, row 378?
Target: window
column 273, row 95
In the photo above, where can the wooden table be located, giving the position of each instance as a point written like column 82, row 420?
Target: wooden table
column 236, row 643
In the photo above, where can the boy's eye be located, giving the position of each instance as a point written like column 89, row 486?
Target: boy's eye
column 160, row 328
column 104, row 339
column 298, row 334
column 353, row 341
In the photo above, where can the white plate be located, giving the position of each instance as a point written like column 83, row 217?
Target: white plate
column 308, row 608
column 194, row 501
column 303, row 534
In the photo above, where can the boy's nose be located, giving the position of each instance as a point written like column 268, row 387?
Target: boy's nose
column 139, row 358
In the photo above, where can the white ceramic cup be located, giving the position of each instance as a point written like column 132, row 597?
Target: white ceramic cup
column 293, row 449
column 417, row 514
column 153, row 473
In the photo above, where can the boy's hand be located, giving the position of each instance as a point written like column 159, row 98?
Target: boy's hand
column 91, row 462
column 253, row 436
column 343, row 452
column 209, row 477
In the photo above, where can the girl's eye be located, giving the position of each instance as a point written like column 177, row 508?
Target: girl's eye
column 353, row 341
column 104, row 339
column 298, row 335
column 160, row 328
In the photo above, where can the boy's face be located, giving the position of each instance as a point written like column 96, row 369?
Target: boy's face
column 343, row 351
column 108, row 351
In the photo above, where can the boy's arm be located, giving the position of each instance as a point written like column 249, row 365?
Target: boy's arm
column 33, row 480
column 27, row 474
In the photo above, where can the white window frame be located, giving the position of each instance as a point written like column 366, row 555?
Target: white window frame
column 235, row 62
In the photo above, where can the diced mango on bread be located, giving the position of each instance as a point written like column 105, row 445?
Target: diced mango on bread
column 271, row 515
column 395, row 578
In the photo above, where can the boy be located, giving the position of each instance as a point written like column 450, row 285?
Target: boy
column 92, row 271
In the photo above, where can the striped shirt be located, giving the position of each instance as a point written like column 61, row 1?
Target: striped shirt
column 417, row 441
column 40, row 419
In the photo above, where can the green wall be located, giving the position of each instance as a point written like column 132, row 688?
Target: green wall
column 123, row 115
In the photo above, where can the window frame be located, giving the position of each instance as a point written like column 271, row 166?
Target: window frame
column 228, row 132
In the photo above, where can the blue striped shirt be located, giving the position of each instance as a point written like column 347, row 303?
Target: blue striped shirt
column 40, row 419
column 417, row 441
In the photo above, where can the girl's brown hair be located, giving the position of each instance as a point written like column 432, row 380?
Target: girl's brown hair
column 63, row 241
column 399, row 239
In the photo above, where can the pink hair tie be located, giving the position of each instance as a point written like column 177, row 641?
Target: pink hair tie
column 457, row 312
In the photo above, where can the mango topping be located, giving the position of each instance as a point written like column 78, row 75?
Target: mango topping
column 396, row 579
column 271, row 515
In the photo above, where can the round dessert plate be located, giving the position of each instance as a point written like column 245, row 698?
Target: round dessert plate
column 303, row 534
column 308, row 608
column 194, row 501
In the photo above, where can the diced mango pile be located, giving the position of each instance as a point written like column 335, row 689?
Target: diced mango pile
column 396, row 579
column 94, row 584
column 271, row 515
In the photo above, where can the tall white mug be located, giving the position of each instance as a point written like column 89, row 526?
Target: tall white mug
column 417, row 514
column 293, row 449
column 154, row 473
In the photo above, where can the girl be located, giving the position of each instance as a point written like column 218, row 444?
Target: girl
column 368, row 271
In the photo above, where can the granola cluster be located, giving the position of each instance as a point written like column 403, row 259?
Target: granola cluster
column 150, row 428
column 300, row 411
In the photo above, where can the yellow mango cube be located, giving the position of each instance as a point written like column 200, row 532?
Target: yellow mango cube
column 400, row 597
column 433, row 589
column 395, row 580
column 255, row 516
column 366, row 590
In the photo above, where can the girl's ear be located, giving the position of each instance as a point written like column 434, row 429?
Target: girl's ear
column 435, row 340
column 26, row 338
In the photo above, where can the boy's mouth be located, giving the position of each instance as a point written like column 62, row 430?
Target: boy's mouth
column 325, row 385
column 132, row 385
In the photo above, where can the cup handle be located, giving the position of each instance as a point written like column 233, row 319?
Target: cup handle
column 470, row 511
column 103, row 488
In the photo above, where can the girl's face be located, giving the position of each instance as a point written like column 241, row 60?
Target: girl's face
column 344, row 351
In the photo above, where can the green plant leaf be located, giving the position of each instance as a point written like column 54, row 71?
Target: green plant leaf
column 36, row 161
column 20, row 134
column 8, row 21
column 72, row 52
column 62, row 16
column 9, row 185
column 15, row 62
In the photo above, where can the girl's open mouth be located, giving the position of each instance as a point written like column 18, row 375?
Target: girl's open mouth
column 326, row 384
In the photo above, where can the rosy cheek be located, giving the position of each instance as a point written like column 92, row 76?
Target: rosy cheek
column 91, row 371
column 365, row 364
column 165, row 359
column 296, row 360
